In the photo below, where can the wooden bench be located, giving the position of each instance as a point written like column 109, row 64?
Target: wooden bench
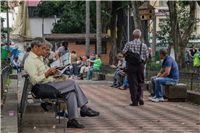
column 173, row 93
column 26, row 96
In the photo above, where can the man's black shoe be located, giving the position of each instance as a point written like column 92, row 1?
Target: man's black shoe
column 117, row 86
column 44, row 105
column 141, row 102
column 74, row 124
column 113, row 85
column 89, row 113
column 132, row 104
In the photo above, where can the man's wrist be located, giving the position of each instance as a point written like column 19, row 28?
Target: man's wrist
column 46, row 75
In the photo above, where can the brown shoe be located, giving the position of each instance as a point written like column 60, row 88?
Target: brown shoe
column 122, row 88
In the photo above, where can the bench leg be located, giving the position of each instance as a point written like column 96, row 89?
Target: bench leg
column 59, row 112
column 64, row 121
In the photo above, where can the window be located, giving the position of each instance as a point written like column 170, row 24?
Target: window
column 104, row 48
column 162, row 3
column 31, row 12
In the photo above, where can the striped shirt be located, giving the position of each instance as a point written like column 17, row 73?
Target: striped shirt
column 134, row 46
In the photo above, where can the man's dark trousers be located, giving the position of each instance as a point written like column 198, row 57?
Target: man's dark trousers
column 136, row 81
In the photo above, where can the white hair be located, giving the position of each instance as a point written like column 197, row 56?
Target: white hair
column 137, row 33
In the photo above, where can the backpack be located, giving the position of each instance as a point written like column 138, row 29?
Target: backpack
column 133, row 58
column 45, row 91
column 196, row 59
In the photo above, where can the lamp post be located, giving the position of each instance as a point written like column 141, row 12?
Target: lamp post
column 8, row 37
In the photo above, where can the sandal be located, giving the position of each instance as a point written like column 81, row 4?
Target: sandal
column 122, row 88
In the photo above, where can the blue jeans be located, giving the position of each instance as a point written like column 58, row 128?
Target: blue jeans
column 89, row 73
column 125, row 84
column 115, row 75
column 75, row 71
column 157, row 86
column 18, row 69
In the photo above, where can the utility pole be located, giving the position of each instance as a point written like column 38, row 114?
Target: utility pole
column 43, row 27
column 87, row 39
column 128, row 25
column 8, row 38
column 154, row 40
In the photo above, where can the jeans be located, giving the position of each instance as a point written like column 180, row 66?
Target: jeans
column 157, row 86
column 125, row 84
column 75, row 71
column 115, row 75
column 18, row 69
column 89, row 73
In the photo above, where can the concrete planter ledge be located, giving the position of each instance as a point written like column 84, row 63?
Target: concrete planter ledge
column 9, row 124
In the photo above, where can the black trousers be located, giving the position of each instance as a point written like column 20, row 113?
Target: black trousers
column 136, row 81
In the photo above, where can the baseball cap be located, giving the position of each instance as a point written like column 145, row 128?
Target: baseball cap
column 93, row 53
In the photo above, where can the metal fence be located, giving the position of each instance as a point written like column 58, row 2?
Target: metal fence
column 4, row 75
column 189, row 75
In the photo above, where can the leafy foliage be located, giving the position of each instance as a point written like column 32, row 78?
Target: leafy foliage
column 3, row 31
column 164, row 35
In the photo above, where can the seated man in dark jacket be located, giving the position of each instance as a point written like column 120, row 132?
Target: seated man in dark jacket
column 120, row 76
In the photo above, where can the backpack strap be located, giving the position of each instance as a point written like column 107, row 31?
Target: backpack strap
column 140, row 48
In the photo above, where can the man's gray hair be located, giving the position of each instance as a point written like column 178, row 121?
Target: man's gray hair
column 137, row 33
column 48, row 44
column 120, row 54
column 36, row 42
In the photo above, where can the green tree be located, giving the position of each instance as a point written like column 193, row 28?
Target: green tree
column 165, row 36
column 180, row 40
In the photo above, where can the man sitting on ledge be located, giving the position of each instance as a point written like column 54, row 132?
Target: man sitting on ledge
column 168, row 75
column 40, row 74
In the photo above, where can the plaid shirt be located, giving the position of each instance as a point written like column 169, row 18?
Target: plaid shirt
column 134, row 46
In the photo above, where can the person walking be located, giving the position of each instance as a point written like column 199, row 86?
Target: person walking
column 136, row 71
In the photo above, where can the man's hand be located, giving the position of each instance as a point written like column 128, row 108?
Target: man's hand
column 112, row 66
column 120, row 71
column 51, row 71
column 154, row 80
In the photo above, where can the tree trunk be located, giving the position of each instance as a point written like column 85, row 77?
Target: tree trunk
column 179, row 42
column 137, row 20
column 87, row 39
column 98, row 11
column 119, row 31
column 113, row 52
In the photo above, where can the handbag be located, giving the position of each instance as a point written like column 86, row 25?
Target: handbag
column 44, row 91
column 134, row 58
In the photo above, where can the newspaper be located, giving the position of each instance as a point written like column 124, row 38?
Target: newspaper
column 63, row 61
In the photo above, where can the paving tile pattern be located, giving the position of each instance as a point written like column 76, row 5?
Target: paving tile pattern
column 116, row 116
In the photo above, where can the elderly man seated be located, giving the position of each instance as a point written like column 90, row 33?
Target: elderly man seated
column 120, row 66
column 40, row 74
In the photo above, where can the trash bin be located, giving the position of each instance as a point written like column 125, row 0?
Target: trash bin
column 157, row 55
column 3, row 52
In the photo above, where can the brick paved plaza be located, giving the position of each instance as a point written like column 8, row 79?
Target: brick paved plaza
column 116, row 116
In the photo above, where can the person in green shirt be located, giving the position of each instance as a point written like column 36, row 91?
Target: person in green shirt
column 96, row 66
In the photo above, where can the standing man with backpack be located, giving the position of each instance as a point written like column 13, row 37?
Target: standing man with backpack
column 136, row 54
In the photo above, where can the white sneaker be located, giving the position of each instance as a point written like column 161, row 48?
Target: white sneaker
column 152, row 98
column 157, row 100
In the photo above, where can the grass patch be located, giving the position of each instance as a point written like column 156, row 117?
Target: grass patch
column 112, row 74
column 8, row 81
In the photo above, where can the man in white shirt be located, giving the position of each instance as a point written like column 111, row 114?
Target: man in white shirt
column 16, row 65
